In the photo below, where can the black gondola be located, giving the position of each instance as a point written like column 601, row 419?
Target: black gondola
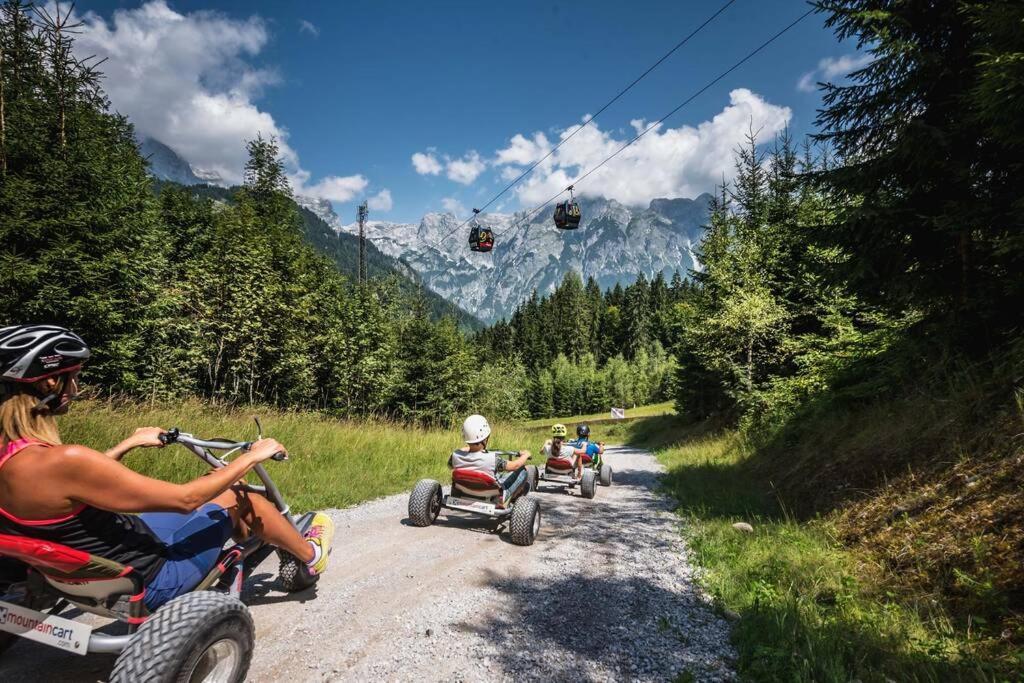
column 480, row 239
column 567, row 214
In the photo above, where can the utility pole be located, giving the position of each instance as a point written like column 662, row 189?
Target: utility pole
column 364, row 211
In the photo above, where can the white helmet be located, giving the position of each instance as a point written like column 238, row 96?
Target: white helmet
column 475, row 429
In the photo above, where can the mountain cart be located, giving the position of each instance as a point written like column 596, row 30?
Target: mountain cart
column 204, row 635
column 480, row 494
column 561, row 472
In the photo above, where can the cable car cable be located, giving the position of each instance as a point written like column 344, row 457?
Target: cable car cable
column 594, row 116
column 674, row 111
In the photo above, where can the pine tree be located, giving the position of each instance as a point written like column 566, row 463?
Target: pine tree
column 637, row 316
column 931, row 163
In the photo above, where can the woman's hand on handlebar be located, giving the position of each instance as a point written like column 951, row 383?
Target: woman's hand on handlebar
column 144, row 437
column 148, row 437
column 264, row 449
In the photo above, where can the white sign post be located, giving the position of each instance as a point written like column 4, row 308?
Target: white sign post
column 618, row 413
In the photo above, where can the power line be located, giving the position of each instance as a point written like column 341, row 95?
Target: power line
column 594, row 116
column 657, row 123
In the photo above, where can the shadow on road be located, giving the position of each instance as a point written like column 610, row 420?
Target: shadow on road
column 624, row 626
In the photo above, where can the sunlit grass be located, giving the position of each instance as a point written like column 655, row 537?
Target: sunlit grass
column 807, row 609
column 664, row 408
column 332, row 463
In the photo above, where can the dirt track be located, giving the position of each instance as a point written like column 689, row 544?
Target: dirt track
column 606, row 593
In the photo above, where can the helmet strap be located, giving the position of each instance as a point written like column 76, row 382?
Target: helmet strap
column 53, row 403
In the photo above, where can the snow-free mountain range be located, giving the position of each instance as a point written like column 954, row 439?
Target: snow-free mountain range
column 614, row 244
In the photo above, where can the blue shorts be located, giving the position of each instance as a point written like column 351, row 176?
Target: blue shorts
column 194, row 542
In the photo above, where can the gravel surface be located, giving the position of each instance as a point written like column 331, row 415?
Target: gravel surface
column 605, row 593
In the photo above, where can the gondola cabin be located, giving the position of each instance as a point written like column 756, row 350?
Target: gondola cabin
column 567, row 215
column 481, row 239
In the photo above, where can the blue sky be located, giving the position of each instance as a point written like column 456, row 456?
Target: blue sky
column 357, row 88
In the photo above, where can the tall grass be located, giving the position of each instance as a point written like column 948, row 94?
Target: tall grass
column 331, row 463
column 806, row 609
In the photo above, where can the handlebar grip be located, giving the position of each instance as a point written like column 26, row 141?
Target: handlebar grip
column 279, row 456
column 169, row 436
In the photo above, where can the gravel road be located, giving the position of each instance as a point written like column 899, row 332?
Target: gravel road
column 605, row 593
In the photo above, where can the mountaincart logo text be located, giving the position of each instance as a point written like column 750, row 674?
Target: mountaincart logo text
column 55, row 631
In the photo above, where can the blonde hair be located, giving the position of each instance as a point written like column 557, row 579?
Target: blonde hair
column 19, row 421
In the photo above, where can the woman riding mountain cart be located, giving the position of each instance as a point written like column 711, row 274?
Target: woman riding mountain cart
column 68, row 513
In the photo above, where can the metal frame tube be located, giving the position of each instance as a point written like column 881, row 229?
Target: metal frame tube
column 107, row 644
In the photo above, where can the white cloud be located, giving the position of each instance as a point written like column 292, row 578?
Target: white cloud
column 381, row 201
column 453, row 205
column 186, row 80
column 666, row 162
column 335, row 188
column 465, row 170
column 522, row 151
column 831, row 68
column 510, row 173
column 309, row 27
column 426, row 164
column 808, row 82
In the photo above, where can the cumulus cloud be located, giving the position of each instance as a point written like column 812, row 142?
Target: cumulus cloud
column 465, row 170
column 426, row 163
column 380, row 201
column 666, row 162
column 187, row 80
column 184, row 79
column 309, row 27
column 453, row 205
column 523, row 151
column 831, row 68
column 333, row 188
column 510, row 173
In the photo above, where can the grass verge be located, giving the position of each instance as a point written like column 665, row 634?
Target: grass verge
column 808, row 609
column 663, row 408
column 332, row 463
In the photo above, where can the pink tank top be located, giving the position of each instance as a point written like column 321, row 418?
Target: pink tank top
column 10, row 450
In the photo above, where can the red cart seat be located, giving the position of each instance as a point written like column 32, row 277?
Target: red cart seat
column 586, row 458
column 558, row 465
column 73, row 572
column 475, row 483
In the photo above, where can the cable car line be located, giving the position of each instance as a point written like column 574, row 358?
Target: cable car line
column 589, row 120
column 651, row 127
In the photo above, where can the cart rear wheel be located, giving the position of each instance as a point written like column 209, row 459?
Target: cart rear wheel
column 606, row 474
column 425, row 502
column 525, row 522
column 204, row 636
column 588, row 485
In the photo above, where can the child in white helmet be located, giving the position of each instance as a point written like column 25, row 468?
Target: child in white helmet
column 511, row 474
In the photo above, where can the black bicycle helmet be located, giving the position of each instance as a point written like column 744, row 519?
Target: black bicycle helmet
column 29, row 353
column 583, row 431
